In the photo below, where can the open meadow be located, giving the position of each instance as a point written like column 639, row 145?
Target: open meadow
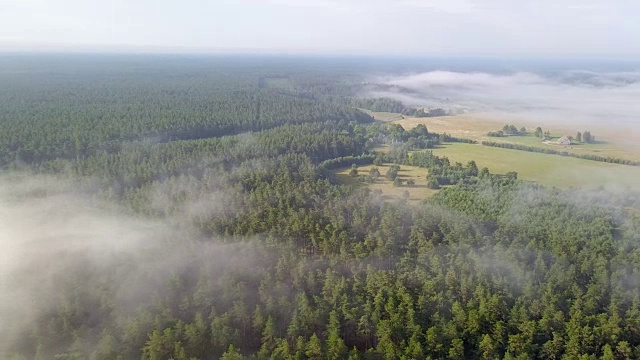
column 546, row 169
column 610, row 143
column 416, row 192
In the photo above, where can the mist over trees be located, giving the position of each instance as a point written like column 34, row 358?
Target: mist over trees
column 212, row 227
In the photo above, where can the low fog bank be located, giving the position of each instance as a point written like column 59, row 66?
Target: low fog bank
column 579, row 98
column 56, row 246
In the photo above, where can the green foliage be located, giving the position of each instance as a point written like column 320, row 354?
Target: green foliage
column 374, row 174
column 313, row 350
column 354, row 170
column 538, row 133
column 550, row 151
column 489, row 267
column 588, row 138
column 231, row 354
column 73, row 113
column 384, row 105
column 512, row 130
column 431, row 112
column 392, row 172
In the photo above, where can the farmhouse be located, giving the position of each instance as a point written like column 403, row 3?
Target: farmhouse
column 564, row 141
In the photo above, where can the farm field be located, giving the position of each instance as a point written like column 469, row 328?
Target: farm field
column 476, row 127
column 546, row 169
column 417, row 192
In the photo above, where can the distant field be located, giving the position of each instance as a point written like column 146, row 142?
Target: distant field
column 384, row 116
column 465, row 126
column 599, row 149
column 546, row 169
column 417, row 192
column 474, row 126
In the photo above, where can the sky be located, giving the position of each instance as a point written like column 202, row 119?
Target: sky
column 559, row 28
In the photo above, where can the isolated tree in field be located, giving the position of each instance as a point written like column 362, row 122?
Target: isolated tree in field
column 588, row 137
column 377, row 161
column 392, row 172
column 523, row 131
column 397, row 182
column 354, row 170
column 538, row 132
column 579, row 136
column 411, row 182
column 374, row 172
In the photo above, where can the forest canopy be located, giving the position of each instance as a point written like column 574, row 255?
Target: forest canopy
column 172, row 208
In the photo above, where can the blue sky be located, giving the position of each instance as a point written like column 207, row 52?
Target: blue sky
column 561, row 28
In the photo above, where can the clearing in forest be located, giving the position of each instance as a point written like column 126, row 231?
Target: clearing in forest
column 477, row 126
column 416, row 192
column 546, row 169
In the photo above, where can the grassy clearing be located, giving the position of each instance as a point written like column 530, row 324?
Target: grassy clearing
column 417, row 192
column 464, row 126
column 546, row 169
column 476, row 127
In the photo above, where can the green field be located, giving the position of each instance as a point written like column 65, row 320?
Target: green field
column 476, row 127
column 417, row 192
column 546, row 169
column 598, row 149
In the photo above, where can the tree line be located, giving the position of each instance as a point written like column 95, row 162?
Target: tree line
column 520, row 147
column 490, row 267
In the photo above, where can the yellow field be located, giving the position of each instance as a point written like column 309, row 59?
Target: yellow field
column 417, row 192
column 546, row 169
column 625, row 144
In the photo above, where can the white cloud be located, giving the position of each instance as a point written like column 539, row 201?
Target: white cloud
column 446, row 6
column 569, row 98
column 54, row 240
column 485, row 27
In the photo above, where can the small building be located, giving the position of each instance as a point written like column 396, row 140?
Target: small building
column 564, row 141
